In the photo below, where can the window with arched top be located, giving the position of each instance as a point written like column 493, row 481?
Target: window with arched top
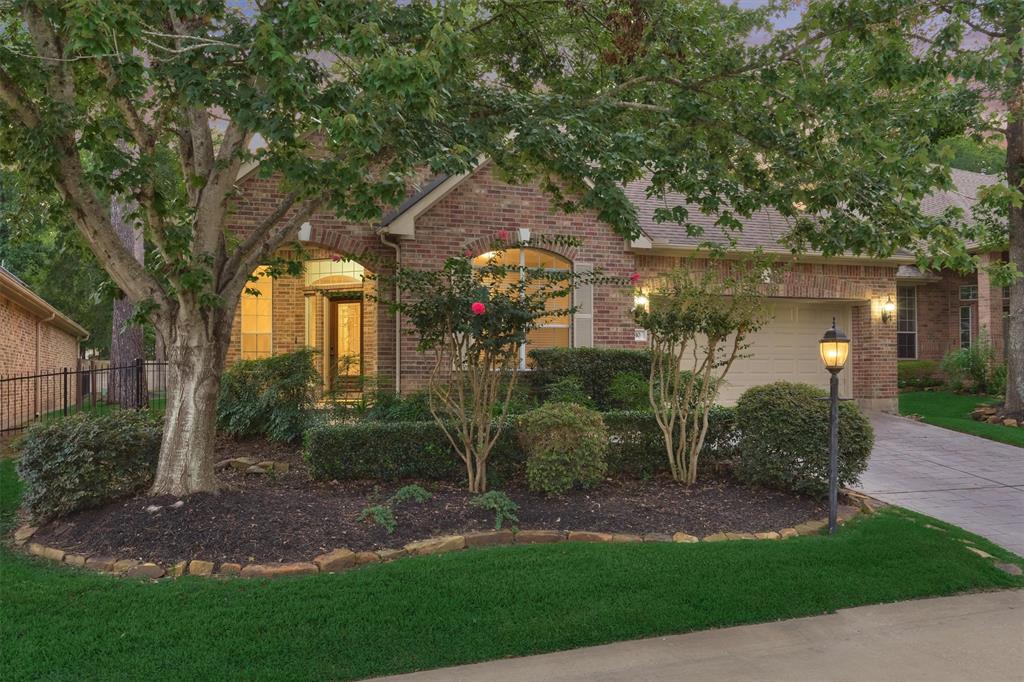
column 327, row 272
column 554, row 331
column 257, row 316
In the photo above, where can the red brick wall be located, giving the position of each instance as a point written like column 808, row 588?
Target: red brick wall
column 938, row 315
column 21, row 334
column 468, row 218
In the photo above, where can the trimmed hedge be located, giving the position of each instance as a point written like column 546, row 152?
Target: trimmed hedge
column 785, row 438
column 595, row 368
column 87, row 460
column 565, row 447
column 918, row 373
column 391, row 451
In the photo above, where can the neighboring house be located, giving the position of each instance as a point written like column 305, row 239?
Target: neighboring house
column 329, row 307
column 35, row 338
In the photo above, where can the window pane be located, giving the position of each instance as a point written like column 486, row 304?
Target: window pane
column 549, row 337
column 969, row 293
column 325, row 271
column 906, row 309
column 965, row 327
column 906, row 346
column 257, row 316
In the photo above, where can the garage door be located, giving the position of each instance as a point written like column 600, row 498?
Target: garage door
column 786, row 349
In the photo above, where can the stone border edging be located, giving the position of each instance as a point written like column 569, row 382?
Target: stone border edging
column 342, row 559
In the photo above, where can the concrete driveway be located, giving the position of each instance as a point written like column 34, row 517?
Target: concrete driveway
column 972, row 482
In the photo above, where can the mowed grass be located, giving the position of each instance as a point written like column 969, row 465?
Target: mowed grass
column 953, row 411
column 59, row 623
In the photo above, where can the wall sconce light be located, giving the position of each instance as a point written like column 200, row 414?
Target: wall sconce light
column 888, row 308
column 641, row 301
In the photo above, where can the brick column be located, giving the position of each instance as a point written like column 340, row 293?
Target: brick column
column 990, row 304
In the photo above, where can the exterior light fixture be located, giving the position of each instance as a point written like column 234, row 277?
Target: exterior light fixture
column 641, row 301
column 834, row 347
column 888, row 308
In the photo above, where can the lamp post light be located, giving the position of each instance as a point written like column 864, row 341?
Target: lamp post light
column 834, row 347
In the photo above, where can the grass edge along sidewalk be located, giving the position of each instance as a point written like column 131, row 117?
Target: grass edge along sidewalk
column 59, row 623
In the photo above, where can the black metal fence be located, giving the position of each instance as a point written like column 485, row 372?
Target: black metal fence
column 91, row 386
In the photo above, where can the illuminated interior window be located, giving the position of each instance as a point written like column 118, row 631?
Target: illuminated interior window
column 310, row 337
column 257, row 316
column 554, row 330
column 327, row 272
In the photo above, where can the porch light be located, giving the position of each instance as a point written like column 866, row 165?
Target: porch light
column 641, row 301
column 834, row 347
column 888, row 308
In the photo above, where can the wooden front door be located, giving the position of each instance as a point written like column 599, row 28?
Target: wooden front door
column 346, row 345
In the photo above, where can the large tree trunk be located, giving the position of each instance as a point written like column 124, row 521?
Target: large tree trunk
column 1015, row 327
column 125, row 386
column 196, row 348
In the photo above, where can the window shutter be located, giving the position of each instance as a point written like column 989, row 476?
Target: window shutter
column 583, row 318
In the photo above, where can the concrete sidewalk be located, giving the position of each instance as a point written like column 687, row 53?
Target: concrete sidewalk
column 976, row 637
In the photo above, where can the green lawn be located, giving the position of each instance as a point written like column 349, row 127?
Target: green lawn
column 157, row 404
column 57, row 623
column 952, row 411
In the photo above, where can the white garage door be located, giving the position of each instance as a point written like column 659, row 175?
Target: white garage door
column 786, row 349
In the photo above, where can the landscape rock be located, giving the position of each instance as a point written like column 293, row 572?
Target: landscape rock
column 489, row 538
column 716, row 537
column 770, row 535
column 100, row 563
column 536, row 537
column 153, row 508
column 740, row 536
column 986, row 410
column 684, row 537
column 279, row 570
column 994, row 420
column 788, row 533
column 447, row 543
column 626, row 537
column 51, row 553
column 390, row 554
column 230, row 569
column 223, row 464
column 657, row 537
column 1012, row 569
column 22, row 535
column 281, row 467
column 1011, row 422
column 147, row 570
column 980, row 552
column 366, row 558
column 178, row 569
column 241, row 463
column 588, row 536
column 124, row 565
column 335, row 560
column 254, row 469
column 811, row 527
column 178, row 505
column 200, row 567
column 77, row 560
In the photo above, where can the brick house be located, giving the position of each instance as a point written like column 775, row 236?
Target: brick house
column 328, row 308
column 35, row 338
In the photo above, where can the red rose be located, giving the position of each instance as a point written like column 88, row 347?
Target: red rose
column 478, row 308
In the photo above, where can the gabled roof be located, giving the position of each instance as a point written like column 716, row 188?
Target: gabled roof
column 12, row 287
column 766, row 228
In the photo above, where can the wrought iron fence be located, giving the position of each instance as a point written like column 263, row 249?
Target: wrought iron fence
column 91, row 386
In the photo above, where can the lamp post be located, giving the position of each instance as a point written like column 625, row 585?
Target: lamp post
column 834, row 347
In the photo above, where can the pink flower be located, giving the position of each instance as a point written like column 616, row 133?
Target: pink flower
column 469, row 253
column 634, row 278
column 503, row 235
column 478, row 308
column 336, row 258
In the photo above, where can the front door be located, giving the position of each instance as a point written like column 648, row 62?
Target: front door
column 346, row 346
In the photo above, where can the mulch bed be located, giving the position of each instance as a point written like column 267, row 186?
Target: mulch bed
column 287, row 517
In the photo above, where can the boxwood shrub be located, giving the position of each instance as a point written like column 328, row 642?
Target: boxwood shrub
column 784, row 435
column 565, row 445
column 87, row 460
column 595, row 368
column 391, row 451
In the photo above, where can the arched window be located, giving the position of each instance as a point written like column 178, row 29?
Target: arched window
column 257, row 316
column 554, row 330
column 328, row 272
